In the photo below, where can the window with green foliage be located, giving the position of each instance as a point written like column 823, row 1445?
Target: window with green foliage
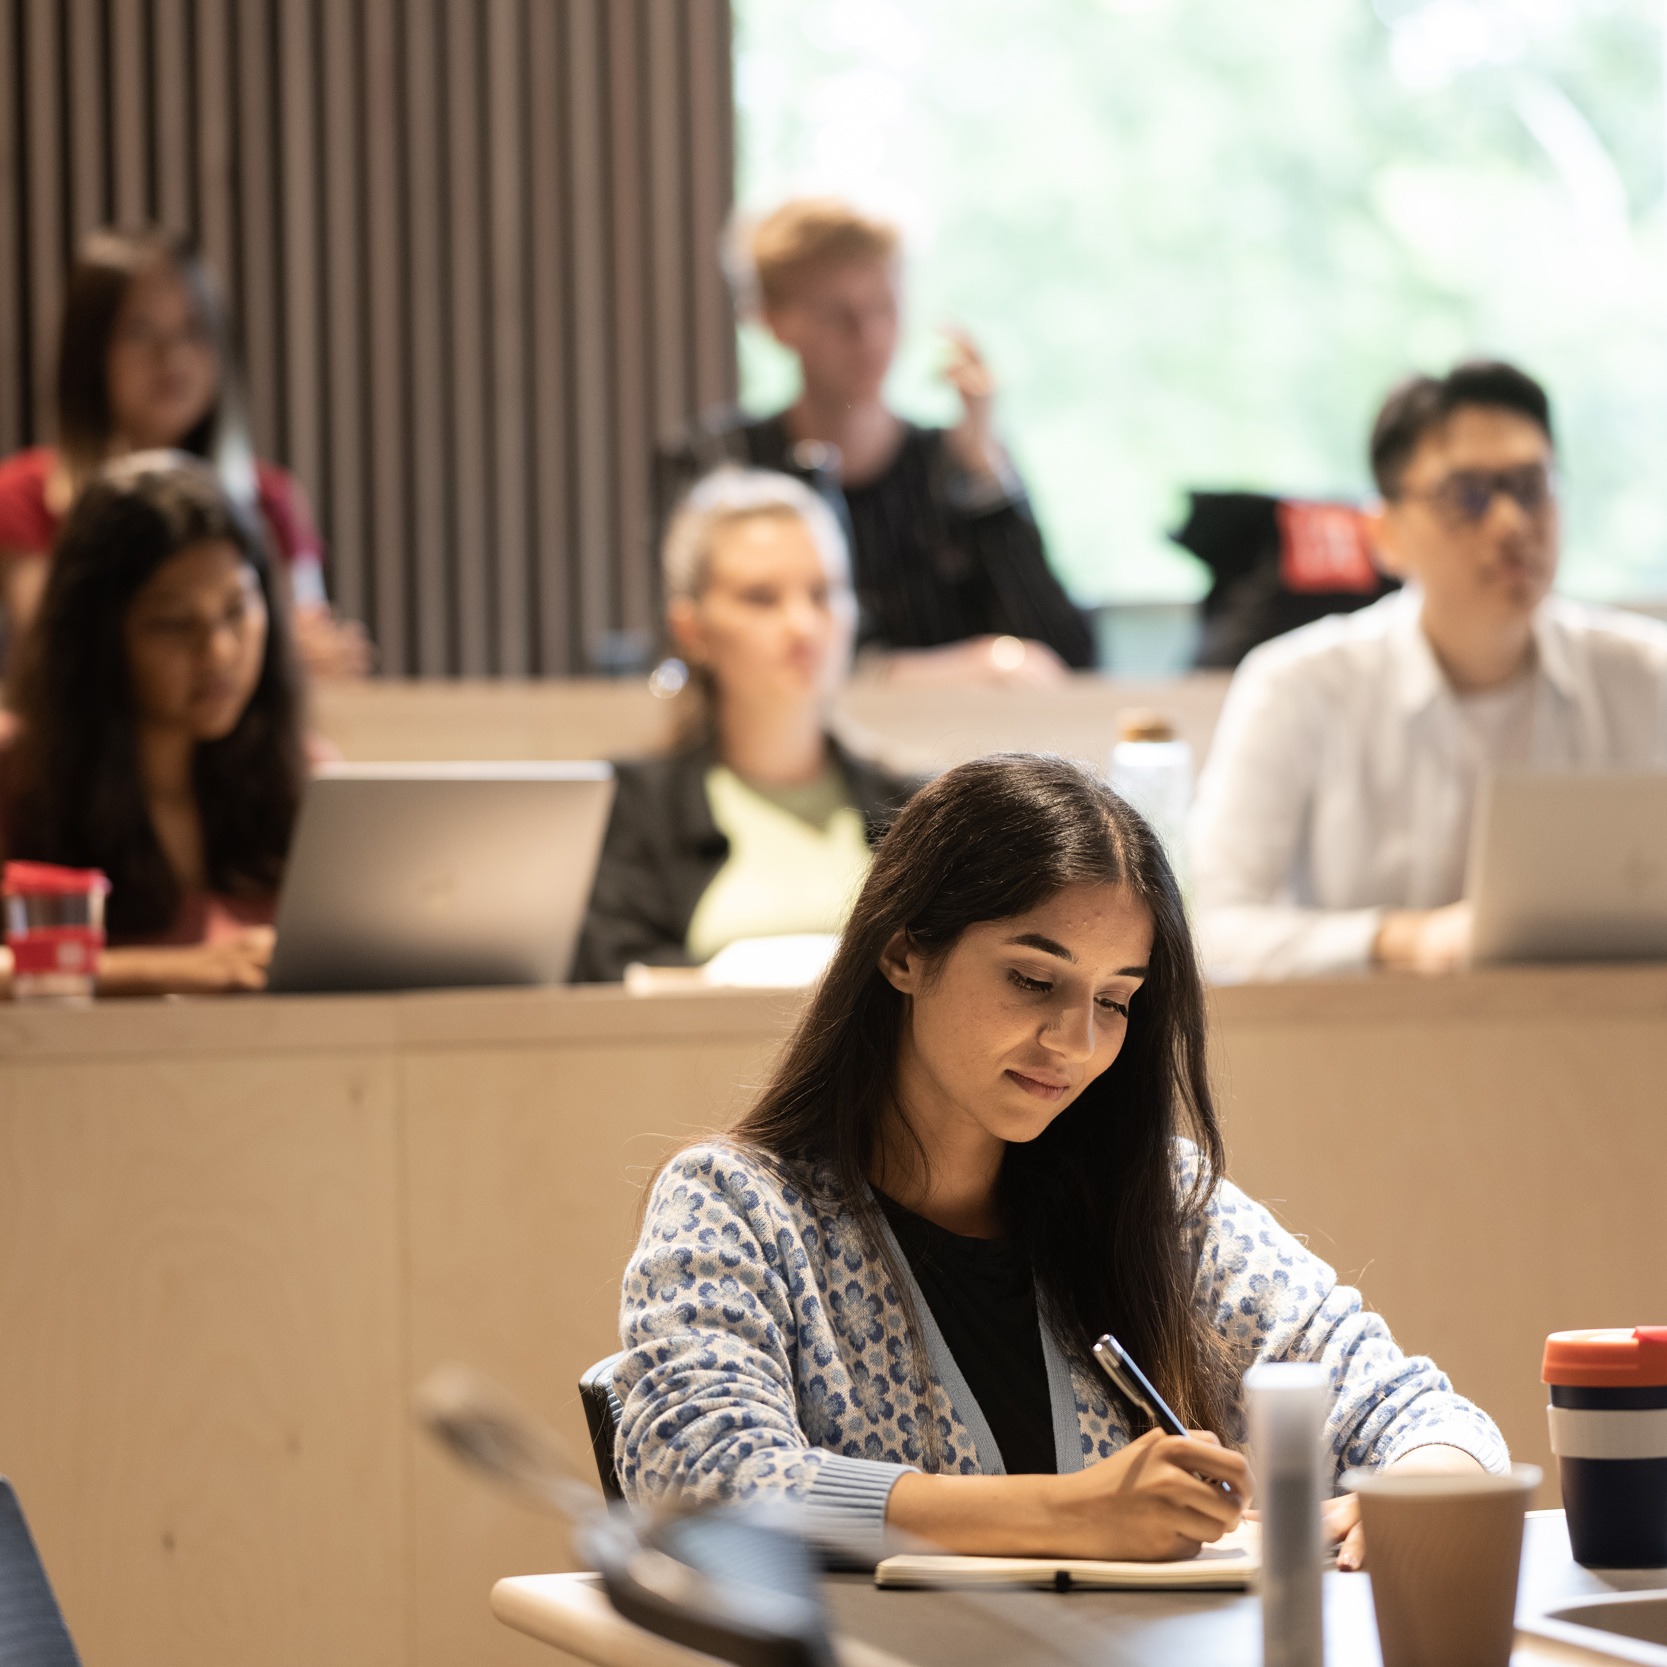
column 1198, row 239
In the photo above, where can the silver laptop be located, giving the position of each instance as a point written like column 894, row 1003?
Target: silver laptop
column 413, row 876
column 1570, row 867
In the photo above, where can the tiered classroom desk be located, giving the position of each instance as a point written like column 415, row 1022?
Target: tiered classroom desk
column 234, row 1235
column 921, row 728
column 237, row 1233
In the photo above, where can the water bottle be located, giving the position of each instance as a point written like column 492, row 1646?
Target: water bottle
column 1287, row 1404
column 1152, row 768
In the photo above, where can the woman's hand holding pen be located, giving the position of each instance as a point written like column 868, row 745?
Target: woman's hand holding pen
column 1145, row 1502
column 1160, row 1497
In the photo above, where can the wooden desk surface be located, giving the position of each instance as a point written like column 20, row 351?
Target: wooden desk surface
column 200, row 1026
column 920, row 728
column 1131, row 1629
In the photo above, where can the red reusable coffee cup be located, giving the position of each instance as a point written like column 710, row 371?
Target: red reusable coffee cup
column 54, row 927
column 1608, row 1417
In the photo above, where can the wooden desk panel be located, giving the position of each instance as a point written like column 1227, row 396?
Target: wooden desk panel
column 927, row 728
column 1482, row 1156
column 199, row 1283
column 444, row 718
column 234, row 1234
column 525, row 1167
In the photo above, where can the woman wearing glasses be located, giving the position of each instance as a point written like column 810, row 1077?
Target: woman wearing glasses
column 1333, row 819
column 146, row 362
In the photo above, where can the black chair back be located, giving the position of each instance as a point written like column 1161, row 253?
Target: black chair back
column 32, row 1630
column 602, row 1414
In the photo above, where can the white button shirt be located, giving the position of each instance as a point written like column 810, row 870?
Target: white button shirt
column 1343, row 771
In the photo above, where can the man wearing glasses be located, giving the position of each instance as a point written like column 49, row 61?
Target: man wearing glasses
column 1333, row 818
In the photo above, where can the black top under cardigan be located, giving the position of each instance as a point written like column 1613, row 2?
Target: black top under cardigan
column 663, row 849
column 982, row 1294
column 932, row 563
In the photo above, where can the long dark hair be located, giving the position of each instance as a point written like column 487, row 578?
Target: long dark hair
column 76, row 793
column 1097, row 1201
column 106, row 264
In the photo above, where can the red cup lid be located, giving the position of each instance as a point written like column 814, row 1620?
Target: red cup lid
column 1618, row 1359
column 38, row 879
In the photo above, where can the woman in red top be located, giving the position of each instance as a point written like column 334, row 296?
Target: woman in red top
column 145, row 362
column 159, row 728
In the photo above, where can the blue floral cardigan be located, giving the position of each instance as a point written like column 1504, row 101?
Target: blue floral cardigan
column 768, row 1355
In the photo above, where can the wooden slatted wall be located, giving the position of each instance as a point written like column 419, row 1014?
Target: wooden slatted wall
column 472, row 245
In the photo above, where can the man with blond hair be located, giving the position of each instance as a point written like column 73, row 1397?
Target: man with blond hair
column 951, row 576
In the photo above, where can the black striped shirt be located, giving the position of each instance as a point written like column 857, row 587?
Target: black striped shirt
column 933, row 562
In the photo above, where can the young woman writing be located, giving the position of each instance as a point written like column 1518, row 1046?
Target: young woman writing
column 145, row 361
column 990, row 1140
column 159, row 726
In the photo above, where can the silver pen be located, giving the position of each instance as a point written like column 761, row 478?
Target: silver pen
column 1136, row 1388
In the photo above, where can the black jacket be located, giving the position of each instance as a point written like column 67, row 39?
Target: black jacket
column 1240, row 538
column 663, row 850
column 928, row 569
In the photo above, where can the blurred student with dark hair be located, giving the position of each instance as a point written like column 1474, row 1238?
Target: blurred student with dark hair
column 146, row 362
column 950, row 573
column 159, row 725
column 760, row 823
column 1333, row 817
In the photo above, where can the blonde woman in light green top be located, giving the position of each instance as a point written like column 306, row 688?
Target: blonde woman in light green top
column 788, row 870
column 760, row 824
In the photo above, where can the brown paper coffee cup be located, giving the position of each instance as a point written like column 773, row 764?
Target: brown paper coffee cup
column 1443, row 1552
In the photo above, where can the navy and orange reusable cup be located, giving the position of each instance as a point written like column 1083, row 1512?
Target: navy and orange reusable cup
column 1608, row 1417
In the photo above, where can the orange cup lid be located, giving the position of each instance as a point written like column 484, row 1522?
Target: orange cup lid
column 1616, row 1359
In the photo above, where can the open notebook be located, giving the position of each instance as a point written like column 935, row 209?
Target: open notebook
column 1227, row 1566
